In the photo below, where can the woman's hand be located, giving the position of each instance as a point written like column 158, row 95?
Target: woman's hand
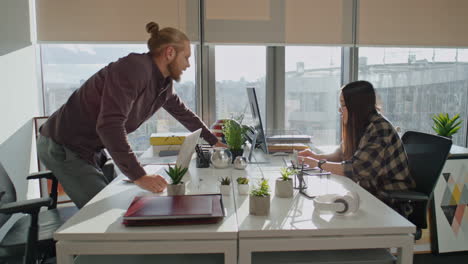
column 310, row 161
column 307, row 153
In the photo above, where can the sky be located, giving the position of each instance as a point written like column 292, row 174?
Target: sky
column 71, row 63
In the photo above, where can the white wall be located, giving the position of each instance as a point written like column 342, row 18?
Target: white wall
column 19, row 97
column 18, row 104
column 14, row 32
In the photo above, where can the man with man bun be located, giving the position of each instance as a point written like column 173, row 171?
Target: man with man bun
column 113, row 102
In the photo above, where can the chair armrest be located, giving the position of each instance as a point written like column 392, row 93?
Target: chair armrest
column 406, row 196
column 28, row 206
column 41, row 175
column 50, row 176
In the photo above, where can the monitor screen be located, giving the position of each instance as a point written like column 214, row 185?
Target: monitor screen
column 257, row 120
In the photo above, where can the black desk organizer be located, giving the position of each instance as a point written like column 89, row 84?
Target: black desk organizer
column 203, row 155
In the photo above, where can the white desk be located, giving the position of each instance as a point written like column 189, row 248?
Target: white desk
column 97, row 228
column 292, row 224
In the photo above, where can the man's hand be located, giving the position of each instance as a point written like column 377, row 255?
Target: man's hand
column 307, row 153
column 153, row 183
column 220, row 144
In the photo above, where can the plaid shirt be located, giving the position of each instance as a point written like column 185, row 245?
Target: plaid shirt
column 380, row 162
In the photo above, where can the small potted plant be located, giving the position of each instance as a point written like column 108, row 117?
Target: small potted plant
column 176, row 187
column 234, row 134
column 225, row 186
column 259, row 202
column 243, row 185
column 284, row 184
column 446, row 126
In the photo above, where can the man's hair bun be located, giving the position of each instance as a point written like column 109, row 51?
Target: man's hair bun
column 152, row 28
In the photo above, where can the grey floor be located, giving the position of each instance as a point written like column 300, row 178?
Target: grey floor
column 450, row 258
column 460, row 257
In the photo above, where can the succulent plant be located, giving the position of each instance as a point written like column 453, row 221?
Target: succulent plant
column 176, row 174
column 286, row 173
column 225, row 180
column 263, row 189
column 242, row 180
column 446, row 126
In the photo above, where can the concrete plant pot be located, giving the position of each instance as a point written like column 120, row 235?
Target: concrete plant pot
column 176, row 189
column 259, row 205
column 225, row 189
column 243, row 189
column 284, row 189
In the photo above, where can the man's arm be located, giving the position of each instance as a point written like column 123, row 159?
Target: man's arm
column 187, row 118
column 118, row 96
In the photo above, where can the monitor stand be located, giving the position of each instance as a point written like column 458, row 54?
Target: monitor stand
column 258, row 159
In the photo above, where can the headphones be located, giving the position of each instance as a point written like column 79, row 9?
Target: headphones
column 340, row 204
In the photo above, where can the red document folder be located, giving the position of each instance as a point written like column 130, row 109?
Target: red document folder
column 174, row 210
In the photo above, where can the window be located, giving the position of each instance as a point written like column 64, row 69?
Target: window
column 414, row 84
column 313, row 78
column 67, row 66
column 238, row 67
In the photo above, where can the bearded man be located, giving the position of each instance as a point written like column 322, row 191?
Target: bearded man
column 113, row 102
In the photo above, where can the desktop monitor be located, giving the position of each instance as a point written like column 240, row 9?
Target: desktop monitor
column 257, row 120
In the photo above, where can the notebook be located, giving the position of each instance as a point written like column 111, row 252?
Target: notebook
column 169, row 207
column 174, row 210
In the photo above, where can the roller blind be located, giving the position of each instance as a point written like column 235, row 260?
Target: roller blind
column 113, row 20
column 413, row 23
column 306, row 22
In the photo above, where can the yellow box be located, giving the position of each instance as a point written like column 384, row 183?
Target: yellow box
column 169, row 138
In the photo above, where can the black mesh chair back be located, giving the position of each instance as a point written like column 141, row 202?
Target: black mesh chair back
column 426, row 156
column 7, row 193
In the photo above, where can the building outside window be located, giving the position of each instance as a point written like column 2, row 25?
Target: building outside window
column 414, row 84
column 65, row 67
column 239, row 67
column 313, row 78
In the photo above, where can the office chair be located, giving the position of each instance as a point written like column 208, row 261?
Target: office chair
column 426, row 157
column 31, row 235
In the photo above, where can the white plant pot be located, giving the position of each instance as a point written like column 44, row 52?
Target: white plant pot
column 284, row 189
column 259, row 205
column 225, row 189
column 243, row 189
column 177, row 189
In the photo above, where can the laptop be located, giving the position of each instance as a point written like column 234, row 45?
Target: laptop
column 187, row 149
column 183, row 159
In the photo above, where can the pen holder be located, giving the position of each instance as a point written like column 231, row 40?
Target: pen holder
column 203, row 161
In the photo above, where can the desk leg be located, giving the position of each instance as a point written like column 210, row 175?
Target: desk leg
column 63, row 255
column 405, row 253
column 230, row 255
column 245, row 254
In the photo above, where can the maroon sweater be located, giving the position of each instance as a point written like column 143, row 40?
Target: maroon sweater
column 114, row 102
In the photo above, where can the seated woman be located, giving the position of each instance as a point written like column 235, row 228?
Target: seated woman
column 371, row 152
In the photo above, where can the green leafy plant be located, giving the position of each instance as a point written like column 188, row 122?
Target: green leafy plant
column 234, row 133
column 225, row 180
column 446, row 126
column 262, row 190
column 286, row 173
column 242, row 180
column 176, row 174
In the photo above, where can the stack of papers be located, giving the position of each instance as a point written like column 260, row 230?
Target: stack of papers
column 288, row 139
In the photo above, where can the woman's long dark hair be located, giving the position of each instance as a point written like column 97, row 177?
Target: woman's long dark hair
column 359, row 98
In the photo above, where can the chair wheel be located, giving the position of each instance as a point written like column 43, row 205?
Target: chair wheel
column 418, row 234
